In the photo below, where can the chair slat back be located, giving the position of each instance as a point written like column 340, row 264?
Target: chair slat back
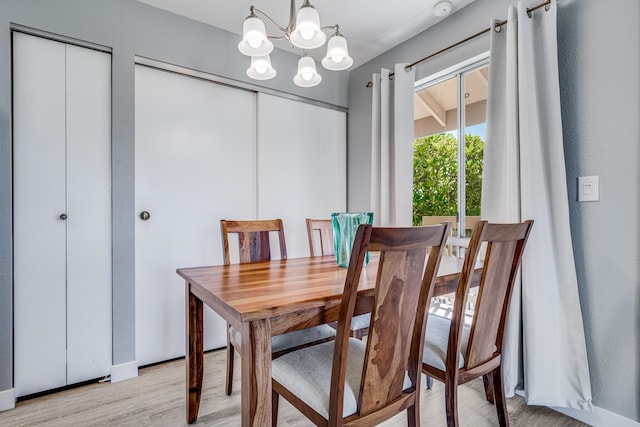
column 324, row 228
column 409, row 260
column 253, row 239
column 504, row 246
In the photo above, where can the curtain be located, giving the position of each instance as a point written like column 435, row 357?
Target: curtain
column 525, row 178
column 392, row 147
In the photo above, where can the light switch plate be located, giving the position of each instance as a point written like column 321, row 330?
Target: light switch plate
column 588, row 190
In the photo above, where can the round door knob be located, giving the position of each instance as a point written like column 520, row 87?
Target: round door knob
column 63, row 217
column 144, row 215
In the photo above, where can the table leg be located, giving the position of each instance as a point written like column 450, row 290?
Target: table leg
column 256, row 373
column 194, row 354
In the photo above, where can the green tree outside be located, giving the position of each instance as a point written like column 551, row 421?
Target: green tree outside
column 435, row 174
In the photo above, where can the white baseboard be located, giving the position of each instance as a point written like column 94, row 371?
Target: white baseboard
column 124, row 371
column 7, row 399
column 598, row 418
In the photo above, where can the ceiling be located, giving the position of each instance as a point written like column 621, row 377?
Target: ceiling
column 370, row 27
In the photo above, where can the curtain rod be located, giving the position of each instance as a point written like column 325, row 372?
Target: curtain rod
column 478, row 34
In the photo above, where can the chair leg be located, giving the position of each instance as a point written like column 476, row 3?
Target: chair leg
column 357, row 334
column 413, row 415
column 451, row 401
column 429, row 381
column 500, row 400
column 275, row 399
column 487, row 379
column 229, row 379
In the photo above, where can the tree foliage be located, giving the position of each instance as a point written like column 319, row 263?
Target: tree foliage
column 435, row 174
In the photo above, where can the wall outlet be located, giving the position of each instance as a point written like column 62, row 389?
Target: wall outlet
column 588, row 190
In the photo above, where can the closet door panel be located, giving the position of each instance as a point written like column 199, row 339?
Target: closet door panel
column 89, row 213
column 302, row 169
column 195, row 163
column 38, row 202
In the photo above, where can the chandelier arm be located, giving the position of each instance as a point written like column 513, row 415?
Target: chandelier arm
column 292, row 18
column 255, row 9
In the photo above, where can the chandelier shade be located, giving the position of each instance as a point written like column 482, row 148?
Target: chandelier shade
column 307, row 33
column 303, row 31
column 254, row 38
column 337, row 58
column 307, row 74
column 261, row 68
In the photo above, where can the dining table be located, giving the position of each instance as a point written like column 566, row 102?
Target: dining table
column 268, row 298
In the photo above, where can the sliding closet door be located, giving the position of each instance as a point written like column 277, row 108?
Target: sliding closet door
column 62, row 213
column 302, row 165
column 195, row 163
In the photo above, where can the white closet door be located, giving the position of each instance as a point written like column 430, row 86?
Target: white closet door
column 195, row 162
column 38, row 201
column 62, row 214
column 302, row 165
column 89, row 214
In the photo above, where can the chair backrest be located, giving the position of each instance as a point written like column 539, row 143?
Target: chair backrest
column 409, row 260
column 253, row 239
column 324, row 228
column 504, row 244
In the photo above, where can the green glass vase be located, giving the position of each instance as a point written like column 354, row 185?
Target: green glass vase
column 345, row 225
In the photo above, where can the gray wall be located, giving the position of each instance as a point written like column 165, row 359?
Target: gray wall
column 129, row 28
column 599, row 63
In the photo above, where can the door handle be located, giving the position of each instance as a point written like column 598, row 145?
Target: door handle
column 144, row 215
column 63, row 217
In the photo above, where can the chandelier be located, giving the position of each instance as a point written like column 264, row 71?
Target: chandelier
column 304, row 32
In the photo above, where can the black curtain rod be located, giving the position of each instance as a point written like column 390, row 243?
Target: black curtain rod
column 478, row 34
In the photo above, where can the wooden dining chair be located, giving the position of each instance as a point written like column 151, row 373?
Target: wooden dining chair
column 324, row 227
column 347, row 381
column 254, row 245
column 455, row 353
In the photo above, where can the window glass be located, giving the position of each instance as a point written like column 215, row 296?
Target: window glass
column 447, row 160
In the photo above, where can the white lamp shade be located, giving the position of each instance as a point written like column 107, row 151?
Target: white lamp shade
column 307, row 33
column 337, row 54
column 261, row 68
column 307, row 75
column 254, row 38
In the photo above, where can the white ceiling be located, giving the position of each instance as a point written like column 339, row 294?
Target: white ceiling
column 370, row 26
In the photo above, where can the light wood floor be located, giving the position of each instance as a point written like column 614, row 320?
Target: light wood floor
column 157, row 398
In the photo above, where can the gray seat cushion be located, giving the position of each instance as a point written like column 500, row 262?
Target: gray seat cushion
column 307, row 374
column 294, row 339
column 360, row 322
column 436, row 340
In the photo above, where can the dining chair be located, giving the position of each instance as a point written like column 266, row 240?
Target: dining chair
column 254, row 245
column 348, row 381
column 324, row 227
column 455, row 353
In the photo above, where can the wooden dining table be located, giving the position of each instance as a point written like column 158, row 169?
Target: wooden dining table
column 264, row 299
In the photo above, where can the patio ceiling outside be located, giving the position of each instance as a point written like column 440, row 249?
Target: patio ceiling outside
column 435, row 107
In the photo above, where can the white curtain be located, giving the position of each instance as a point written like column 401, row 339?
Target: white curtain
column 524, row 178
column 392, row 147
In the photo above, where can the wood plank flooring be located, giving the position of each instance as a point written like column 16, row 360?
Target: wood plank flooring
column 157, row 398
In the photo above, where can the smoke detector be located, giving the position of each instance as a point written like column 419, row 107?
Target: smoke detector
column 442, row 8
